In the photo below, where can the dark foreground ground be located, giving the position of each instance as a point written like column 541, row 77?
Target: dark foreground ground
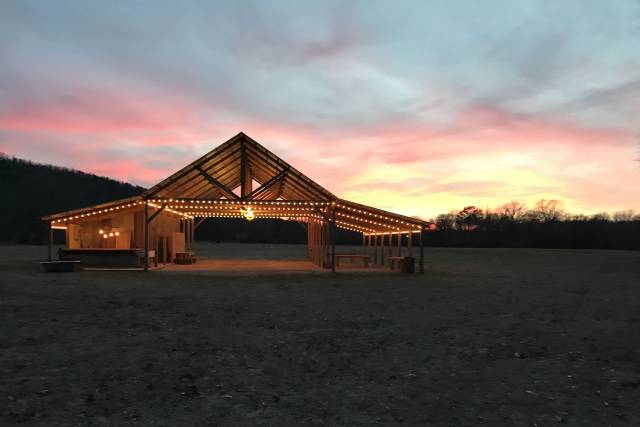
column 485, row 337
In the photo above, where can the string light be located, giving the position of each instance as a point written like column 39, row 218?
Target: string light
column 351, row 218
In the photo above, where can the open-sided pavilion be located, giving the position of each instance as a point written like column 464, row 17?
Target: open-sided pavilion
column 238, row 179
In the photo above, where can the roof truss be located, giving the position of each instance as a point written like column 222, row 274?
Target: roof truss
column 220, row 183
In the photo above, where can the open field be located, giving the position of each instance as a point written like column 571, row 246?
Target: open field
column 485, row 337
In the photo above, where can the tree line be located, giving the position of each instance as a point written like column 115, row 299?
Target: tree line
column 545, row 225
column 31, row 190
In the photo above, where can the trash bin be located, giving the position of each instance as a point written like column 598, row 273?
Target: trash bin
column 408, row 265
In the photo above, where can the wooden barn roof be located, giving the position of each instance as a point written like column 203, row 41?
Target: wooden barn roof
column 236, row 164
column 242, row 172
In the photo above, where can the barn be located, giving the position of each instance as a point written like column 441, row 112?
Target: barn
column 238, row 179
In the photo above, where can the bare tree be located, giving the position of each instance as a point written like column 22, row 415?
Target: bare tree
column 600, row 216
column 548, row 210
column 627, row 215
column 514, row 210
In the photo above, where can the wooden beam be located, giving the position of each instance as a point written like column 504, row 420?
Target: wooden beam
column 220, row 186
column 146, row 236
column 50, row 257
column 180, row 190
column 193, row 236
column 421, row 251
column 200, row 222
column 267, row 184
column 375, row 249
column 245, row 172
column 155, row 214
column 333, row 240
column 185, row 170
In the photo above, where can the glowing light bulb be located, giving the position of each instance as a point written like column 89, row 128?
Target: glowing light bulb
column 100, row 231
column 110, row 234
column 104, row 236
column 247, row 213
column 117, row 233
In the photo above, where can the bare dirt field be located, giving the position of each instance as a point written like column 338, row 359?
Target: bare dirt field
column 486, row 337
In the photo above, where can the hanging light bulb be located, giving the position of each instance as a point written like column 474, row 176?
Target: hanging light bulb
column 247, row 213
column 100, row 231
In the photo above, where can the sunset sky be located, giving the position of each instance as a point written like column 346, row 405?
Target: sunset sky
column 418, row 107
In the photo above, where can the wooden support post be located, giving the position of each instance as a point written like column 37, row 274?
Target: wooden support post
column 368, row 245
column 364, row 250
column 146, row 236
column 162, row 239
column 399, row 244
column 421, row 251
column 245, row 173
column 193, row 235
column 381, row 249
column 390, row 247
column 50, row 252
column 334, row 231
column 325, row 243
column 319, row 243
column 186, row 234
column 375, row 248
column 409, row 243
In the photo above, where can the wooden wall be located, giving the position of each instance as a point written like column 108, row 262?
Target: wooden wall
column 163, row 230
column 318, row 242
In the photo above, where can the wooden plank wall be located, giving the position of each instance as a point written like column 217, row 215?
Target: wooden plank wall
column 318, row 242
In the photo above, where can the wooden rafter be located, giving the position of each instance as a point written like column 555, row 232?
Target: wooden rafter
column 273, row 180
column 220, row 186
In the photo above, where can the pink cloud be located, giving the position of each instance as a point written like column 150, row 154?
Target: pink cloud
column 97, row 112
column 141, row 140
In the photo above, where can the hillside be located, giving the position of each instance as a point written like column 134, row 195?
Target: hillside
column 30, row 190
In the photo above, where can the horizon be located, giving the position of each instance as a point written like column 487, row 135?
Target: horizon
column 500, row 209
column 379, row 107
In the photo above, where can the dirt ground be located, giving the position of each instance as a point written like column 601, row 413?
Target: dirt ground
column 494, row 337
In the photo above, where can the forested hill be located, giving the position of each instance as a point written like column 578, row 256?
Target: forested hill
column 30, row 190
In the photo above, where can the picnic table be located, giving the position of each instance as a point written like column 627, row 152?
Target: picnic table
column 365, row 258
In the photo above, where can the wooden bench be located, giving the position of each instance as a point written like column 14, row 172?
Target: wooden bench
column 185, row 258
column 365, row 258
